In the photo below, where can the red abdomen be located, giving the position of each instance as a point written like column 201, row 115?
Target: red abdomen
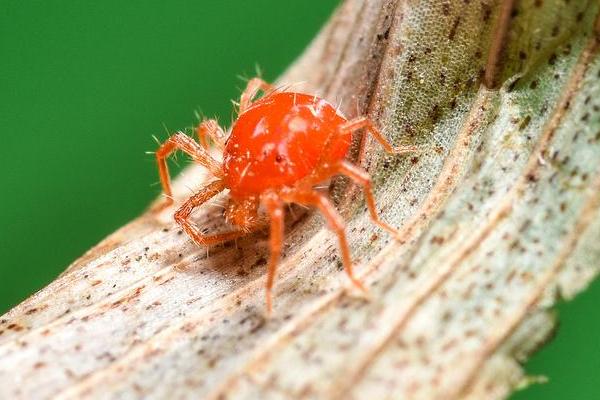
column 280, row 140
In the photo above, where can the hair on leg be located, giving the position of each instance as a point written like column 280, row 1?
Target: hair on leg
column 210, row 129
column 252, row 88
column 182, row 216
column 180, row 141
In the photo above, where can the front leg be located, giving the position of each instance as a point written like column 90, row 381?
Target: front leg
column 182, row 217
column 181, row 141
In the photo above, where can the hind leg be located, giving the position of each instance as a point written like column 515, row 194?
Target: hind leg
column 362, row 178
column 274, row 207
column 335, row 222
column 365, row 123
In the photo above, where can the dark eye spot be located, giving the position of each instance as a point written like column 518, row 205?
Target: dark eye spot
column 279, row 158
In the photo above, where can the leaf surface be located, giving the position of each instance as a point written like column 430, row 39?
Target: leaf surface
column 499, row 217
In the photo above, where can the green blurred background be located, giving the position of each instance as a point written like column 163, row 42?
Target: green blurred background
column 84, row 85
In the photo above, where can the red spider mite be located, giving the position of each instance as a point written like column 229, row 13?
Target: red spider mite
column 280, row 147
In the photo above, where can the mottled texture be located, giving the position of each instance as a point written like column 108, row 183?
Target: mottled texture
column 498, row 217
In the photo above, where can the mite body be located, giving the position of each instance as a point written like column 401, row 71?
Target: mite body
column 280, row 147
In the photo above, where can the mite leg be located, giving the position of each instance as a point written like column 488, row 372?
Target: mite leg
column 183, row 214
column 336, row 224
column 254, row 85
column 180, row 141
column 274, row 207
column 362, row 178
column 367, row 124
column 210, row 129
